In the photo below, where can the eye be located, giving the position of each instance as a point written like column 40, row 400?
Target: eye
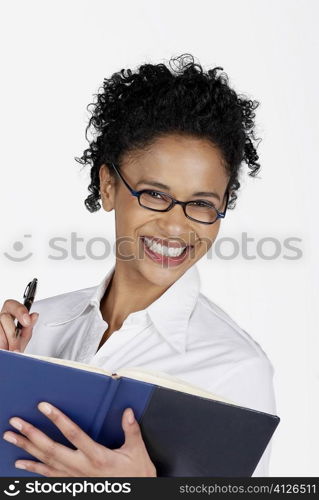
column 200, row 203
column 154, row 194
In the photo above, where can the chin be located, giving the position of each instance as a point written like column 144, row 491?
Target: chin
column 163, row 276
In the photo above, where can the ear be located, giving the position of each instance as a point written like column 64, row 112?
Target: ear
column 107, row 188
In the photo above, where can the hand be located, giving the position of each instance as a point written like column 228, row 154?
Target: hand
column 90, row 459
column 11, row 310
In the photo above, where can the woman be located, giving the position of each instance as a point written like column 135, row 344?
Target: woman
column 168, row 147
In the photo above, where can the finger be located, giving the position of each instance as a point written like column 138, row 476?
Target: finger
column 132, row 431
column 39, row 468
column 73, row 432
column 9, row 328
column 3, row 339
column 38, row 444
column 26, row 332
column 17, row 310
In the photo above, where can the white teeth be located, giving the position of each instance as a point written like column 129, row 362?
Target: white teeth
column 163, row 250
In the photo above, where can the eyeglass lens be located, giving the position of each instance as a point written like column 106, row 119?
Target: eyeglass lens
column 199, row 210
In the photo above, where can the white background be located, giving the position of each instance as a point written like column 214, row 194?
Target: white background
column 55, row 55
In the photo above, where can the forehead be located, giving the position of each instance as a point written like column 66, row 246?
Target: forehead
column 172, row 159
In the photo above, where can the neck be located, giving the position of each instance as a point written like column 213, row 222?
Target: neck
column 126, row 293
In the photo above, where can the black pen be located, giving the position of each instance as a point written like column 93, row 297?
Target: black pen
column 28, row 296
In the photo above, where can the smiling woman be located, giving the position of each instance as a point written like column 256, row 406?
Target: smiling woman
column 169, row 144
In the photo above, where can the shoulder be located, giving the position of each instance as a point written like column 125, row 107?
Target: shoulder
column 215, row 328
column 242, row 371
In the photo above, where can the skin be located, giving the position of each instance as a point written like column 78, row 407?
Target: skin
column 136, row 283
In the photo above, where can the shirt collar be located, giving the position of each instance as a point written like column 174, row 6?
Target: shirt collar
column 69, row 306
column 170, row 313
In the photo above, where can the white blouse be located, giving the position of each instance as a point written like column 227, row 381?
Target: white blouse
column 181, row 333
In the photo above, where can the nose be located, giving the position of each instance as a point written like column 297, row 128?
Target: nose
column 174, row 222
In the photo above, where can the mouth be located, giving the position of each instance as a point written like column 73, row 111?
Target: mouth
column 172, row 254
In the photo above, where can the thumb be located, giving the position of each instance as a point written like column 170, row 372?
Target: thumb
column 132, row 431
column 26, row 332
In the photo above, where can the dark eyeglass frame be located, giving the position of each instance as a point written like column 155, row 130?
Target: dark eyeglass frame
column 220, row 215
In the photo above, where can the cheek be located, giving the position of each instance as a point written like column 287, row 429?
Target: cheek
column 130, row 220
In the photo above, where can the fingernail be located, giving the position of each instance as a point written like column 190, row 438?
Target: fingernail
column 130, row 416
column 19, row 465
column 45, row 408
column 9, row 438
column 15, row 423
column 35, row 317
column 16, row 350
column 26, row 319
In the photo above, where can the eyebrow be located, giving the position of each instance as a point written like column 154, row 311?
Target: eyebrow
column 163, row 186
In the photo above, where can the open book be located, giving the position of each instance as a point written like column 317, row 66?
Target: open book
column 187, row 431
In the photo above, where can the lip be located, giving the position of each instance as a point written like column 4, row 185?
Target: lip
column 164, row 260
column 166, row 243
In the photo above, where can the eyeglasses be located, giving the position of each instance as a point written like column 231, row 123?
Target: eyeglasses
column 197, row 210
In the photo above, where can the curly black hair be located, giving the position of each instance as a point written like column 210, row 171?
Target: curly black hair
column 134, row 108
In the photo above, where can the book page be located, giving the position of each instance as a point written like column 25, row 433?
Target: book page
column 150, row 376
column 169, row 381
column 68, row 362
